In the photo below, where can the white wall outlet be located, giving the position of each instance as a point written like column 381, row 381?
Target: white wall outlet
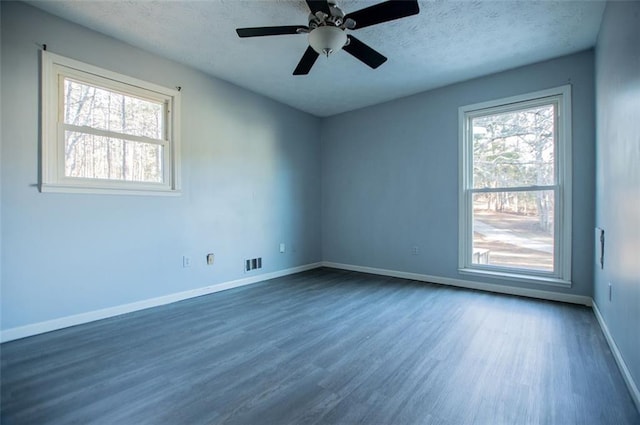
column 282, row 248
column 210, row 259
column 186, row 261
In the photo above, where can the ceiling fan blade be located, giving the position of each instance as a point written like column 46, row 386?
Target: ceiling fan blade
column 263, row 31
column 366, row 54
column 307, row 61
column 319, row 6
column 383, row 12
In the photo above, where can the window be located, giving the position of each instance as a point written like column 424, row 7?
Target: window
column 515, row 187
column 104, row 132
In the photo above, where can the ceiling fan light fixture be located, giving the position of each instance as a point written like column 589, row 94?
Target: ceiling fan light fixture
column 327, row 39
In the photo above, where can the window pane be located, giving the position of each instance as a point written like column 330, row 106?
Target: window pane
column 514, row 229
column 514, row 149
column 98, row 157
column 87, row 105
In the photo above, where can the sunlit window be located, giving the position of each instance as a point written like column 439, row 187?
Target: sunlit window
column 515, row 194
column 106, row 131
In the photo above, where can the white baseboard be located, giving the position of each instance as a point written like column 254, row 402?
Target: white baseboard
column 502, row 289
column 64, row 322
column 626, row 374
column 78, row 319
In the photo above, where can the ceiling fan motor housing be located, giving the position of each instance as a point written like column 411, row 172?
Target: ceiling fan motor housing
column 320, row 18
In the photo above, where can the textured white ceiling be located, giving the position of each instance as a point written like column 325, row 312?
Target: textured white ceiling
column 449, row 41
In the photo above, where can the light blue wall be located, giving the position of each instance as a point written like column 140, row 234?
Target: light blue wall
column 390, row 174
column 618, row 176
column 0, row 168
column 250, row 177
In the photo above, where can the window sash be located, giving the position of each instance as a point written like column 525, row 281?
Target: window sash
column 112, row 86
column 554, row 100
column 62, row 177
column 467, row 251
column 514, row 269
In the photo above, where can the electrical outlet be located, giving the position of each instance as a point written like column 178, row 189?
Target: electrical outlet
column 282, row 248
column 186, row 261
column 210, row 259
column 610, row 291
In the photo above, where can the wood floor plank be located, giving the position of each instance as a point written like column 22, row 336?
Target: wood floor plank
column 323, row 347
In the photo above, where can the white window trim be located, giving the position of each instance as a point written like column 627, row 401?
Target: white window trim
column 52, row 131
column 562, row 254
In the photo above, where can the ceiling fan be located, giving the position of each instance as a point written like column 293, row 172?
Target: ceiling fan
column 327, row 25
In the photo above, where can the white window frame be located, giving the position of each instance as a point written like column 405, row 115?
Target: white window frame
column 561, row 276
column 54, row 69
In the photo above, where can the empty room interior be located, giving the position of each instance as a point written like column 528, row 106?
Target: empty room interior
column 320, row 212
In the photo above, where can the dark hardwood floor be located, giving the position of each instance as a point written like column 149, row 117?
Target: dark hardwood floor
column 323, row 347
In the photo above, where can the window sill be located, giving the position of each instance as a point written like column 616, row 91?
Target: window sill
column 518, row 277
column 54, row 188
